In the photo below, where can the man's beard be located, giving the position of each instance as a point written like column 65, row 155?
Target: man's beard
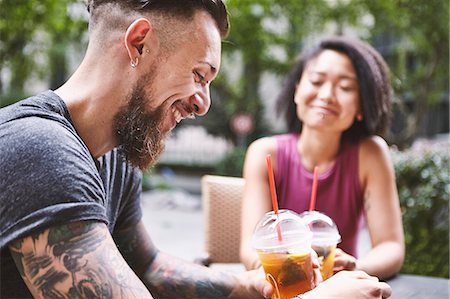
column 139, row 132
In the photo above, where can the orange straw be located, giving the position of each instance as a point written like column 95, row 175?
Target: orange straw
column 273, row 192
column 312, row 202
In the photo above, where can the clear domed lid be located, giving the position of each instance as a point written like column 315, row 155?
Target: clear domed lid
column 323, row 228
column 286, row 229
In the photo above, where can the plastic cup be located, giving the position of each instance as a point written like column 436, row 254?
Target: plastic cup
column 325, row 239
column 286, row 261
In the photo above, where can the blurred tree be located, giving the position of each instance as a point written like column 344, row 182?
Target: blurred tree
column 412, row 36
column 35, row 36
column 415, row 36
column 266, row 36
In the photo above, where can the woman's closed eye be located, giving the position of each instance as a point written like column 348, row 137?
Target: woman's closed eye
column 347, row 87
column 316, row 83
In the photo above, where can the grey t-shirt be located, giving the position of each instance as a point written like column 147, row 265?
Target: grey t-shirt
column 49, row 177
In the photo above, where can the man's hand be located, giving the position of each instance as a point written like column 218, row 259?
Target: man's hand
column 351, row 284
column 257, row 285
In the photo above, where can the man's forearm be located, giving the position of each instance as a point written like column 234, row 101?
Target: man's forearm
column 166, row 276
column 170, row 277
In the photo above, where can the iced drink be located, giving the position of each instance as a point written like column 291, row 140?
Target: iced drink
column 325, row 238
column 290, row 274
column 326, row 259
column 286, row 260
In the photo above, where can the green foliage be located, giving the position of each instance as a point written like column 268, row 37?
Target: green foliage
column 248, row 54
column 11, row 97
column 150, row 181
column 423, row 186
column 232, row 164
column 267, row 35
column 417, row 54
column 35, row 37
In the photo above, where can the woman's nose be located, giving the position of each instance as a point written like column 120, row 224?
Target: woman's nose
column 326, row 92
column 200, row 103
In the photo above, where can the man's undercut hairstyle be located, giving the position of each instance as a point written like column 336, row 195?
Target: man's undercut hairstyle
column 375, row 93
column 167, row 9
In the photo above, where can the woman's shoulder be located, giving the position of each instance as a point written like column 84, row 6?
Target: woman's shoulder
column 266, row 144
column 373, row 153
column 270, row 143
column 373, row 145
column 374, row 158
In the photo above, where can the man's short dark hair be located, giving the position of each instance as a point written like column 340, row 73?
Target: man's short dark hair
column 175, row 8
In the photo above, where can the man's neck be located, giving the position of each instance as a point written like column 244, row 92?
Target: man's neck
column 93, row 100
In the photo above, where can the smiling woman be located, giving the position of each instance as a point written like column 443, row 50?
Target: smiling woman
column 336, row 101
column 328, row 93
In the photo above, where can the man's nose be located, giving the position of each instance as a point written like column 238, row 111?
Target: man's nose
column 200, row 103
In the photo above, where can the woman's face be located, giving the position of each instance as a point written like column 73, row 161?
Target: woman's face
column 327, row 95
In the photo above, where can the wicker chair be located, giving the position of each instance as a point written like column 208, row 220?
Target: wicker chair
column 221, row 198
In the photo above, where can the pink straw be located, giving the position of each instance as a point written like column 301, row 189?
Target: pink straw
column 273, row 192
column 312, row 202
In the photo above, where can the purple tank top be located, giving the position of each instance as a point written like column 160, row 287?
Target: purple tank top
column 338, row 193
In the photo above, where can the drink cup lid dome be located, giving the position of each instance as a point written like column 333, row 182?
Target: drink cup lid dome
column 293, row 230
column 323, row 227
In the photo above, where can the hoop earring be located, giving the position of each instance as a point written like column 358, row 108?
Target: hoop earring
column 134, row 64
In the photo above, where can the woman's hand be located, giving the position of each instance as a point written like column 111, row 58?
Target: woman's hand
column 344, row 261
column 351, row 284
column 316, row 268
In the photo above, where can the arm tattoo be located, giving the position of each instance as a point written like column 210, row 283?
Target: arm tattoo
column 136, row 247
column 75, row 260
column 168, row 277
column 366, row 200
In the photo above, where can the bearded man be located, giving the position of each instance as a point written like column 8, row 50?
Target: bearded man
column 70, row 180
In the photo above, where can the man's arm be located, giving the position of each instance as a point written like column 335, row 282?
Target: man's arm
column 170, row 277
column 75, row 260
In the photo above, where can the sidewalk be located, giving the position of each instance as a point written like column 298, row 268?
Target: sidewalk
column 174, row 220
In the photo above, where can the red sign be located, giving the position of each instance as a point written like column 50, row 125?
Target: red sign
column 242, row 124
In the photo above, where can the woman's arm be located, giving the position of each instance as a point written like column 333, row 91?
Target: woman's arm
column 256, row 199
column 350, row 284
column 382, row 210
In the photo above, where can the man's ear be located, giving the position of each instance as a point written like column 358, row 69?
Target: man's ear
column 135, row 36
